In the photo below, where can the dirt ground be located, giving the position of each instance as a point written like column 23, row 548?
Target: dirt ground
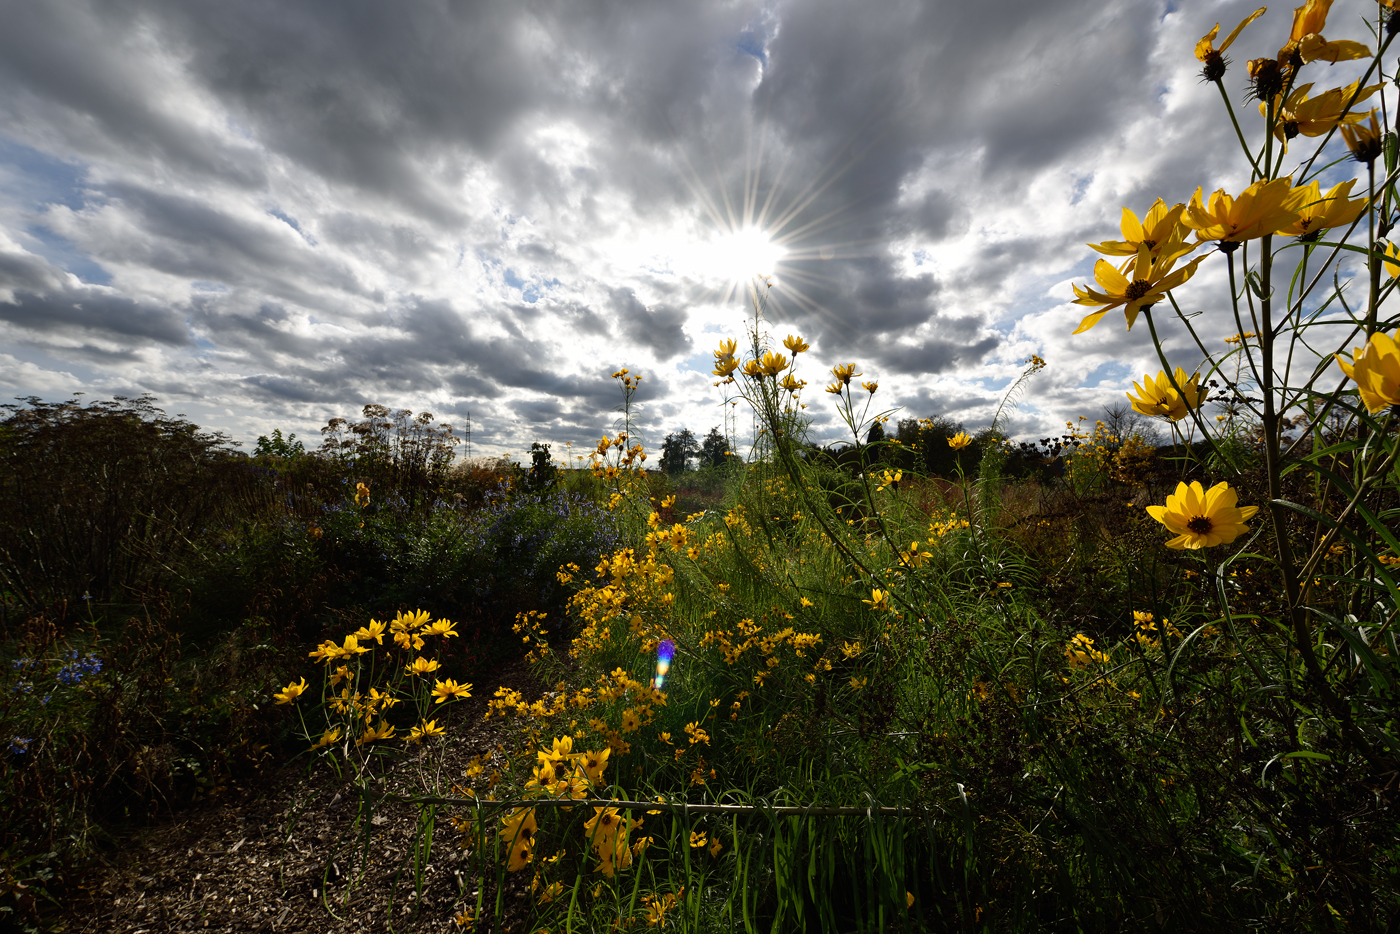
column 264, row 858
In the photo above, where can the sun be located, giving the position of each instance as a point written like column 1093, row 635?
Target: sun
column 734, row 258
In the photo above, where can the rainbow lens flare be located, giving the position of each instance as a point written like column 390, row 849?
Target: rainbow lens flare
column 664, row 653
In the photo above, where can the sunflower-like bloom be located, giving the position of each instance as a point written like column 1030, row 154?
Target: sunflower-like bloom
column 725, row 367
column 792, row 383
column 1300, row 115
column 595, row 763
column 1203, row 518
column 753, row 368
column 1262, row 208
column 773, row 363
column 423, row 730
column 834, row 388
column 450, row 690
column 1214, row 59
column 870, row 387
column 727, row 348
column 1317, row 212
column 1155, row 396
column 442, row 627
column 329, row 651
column 845, row 372
column 373, row 734
column 291, row 692
column 421, row 666
column 1151, row 281
column 1364, row 141
column 1376, row 370
column 1160, row 228
column 796, row 344
column 962, row 439
column 518, row 831
column 1306, row 43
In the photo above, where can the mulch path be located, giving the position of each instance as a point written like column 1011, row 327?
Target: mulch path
column 256, row 860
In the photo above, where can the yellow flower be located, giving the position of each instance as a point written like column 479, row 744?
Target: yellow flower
column 773, row 363
column 408, row 621
column 361, row 495
column 753, row 368
column 1160, row 229
column 834, row 388
column 697, row 839
column 1365, row 142
column 421, row 666
column 715, row 847
column 594, row 763
column 857, row 684
column 426, row 728
column 1157, row 397
column 375, row 631
column 1151, row 281
column 291, row 692
column 329, row 651
column 518, row 830
column 1317, row 212
column 908, row 899
column 796, row 344
column 959, row 441
column 1376, row 370
column 450, row 690
column 1260, row 209
column 1300, row 115
column 1080, row 652
column 1392, row 256
column 845, row 372
column 328, row 737
column 725, row 366
column 792, row 383
column 1203, row 518
column 1213, row 58
column 1305, row 40
column 371, row 734
column 879, row 600
column 441, row 628
column 630, row 721
column 870, row 387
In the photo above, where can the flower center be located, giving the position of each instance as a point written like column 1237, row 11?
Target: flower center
column 1201, row 525
column 1137, row 289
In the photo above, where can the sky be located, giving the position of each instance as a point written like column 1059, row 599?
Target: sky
column 268, row 214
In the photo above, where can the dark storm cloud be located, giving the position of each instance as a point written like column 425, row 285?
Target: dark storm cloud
column 657, row 327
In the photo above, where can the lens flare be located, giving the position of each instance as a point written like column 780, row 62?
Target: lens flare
column 664, row 653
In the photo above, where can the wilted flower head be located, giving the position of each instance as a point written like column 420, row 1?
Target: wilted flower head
column 1365, row 141
column 1214, row 59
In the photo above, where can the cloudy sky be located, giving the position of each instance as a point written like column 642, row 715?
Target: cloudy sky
column 270, row 213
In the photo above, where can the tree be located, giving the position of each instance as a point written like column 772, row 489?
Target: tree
column 278, row 446
column 678, row 450
column 714, row 451
column 543, row 473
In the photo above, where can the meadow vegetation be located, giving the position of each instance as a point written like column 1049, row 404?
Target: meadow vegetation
column 1138, row 676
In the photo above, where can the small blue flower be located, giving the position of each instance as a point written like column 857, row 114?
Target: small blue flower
column 19, row 745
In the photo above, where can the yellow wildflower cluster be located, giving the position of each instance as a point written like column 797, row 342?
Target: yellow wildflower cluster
column 360, row 705
column 1080, row 653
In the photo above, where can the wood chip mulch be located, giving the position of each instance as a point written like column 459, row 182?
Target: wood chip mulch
column 270, row 856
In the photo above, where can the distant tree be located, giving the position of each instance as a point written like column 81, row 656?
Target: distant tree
column 678, row 450
column 876, row 434
column 714, row 450
column 924, row 445
column 543, row 473
column 277, row 446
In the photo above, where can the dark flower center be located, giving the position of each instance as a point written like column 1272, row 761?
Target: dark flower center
column 1215, row 64
column 1201, row 525
column 1137, row 289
